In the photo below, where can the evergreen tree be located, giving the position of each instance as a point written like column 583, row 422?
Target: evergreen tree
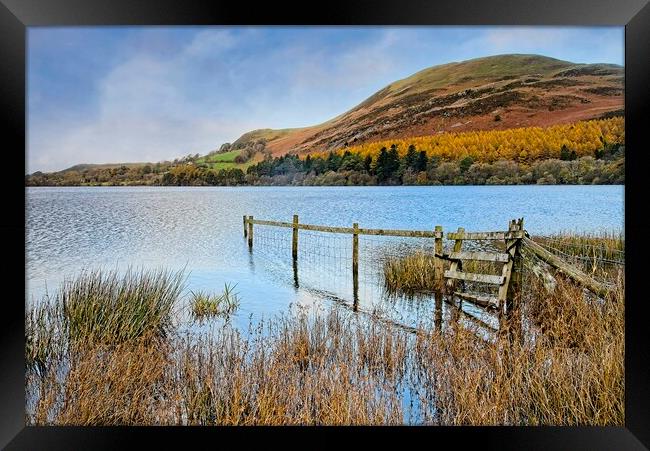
column 319, row 165
column 422, row 160
column 433, row 162
column 367, row 164
column 411, row 159
column 381, row 168
column 564, row 153
column 333, row 161
column 392, row 162
column 465, row 163
column 351, row 162
column 346, row 161
column 599, row 153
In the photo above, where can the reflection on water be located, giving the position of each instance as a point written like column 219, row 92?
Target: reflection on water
column 200, row 229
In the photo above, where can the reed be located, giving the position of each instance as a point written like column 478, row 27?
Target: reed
column 42, row 336
column 411, row 274
column 205, row 305
column 105, row 307
column 303, row 370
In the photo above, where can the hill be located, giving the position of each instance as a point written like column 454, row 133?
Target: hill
column 87, row 166
column 491, row 93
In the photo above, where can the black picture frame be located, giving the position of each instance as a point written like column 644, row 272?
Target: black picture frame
column 16, row 15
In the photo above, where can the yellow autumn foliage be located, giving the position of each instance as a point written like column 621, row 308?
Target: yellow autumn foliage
column 519, row 144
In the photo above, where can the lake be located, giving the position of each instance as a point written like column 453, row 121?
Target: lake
column 200, row 229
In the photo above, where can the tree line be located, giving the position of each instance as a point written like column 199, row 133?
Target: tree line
column 590, row 152
column 606, row 166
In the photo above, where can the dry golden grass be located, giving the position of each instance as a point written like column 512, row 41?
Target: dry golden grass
column 601, row 255
column 308, row 373
column 411, row 274
column 570, row 373
column 309, row 370
column 607, row 245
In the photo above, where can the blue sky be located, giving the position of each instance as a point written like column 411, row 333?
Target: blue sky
column 124, row 94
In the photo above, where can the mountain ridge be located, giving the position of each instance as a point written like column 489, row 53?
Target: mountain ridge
column 522, row 89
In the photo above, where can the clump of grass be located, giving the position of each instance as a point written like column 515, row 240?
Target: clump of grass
column 105, row 307
column 414, row 274
column 42, row 336
column 206, row 305
column 410, row 274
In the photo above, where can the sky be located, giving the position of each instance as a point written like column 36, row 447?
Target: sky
column 135, row 94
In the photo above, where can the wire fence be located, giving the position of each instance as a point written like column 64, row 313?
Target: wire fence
column 324, row 267
column 325, row 261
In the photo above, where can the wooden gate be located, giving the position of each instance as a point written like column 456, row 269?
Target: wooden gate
column 508, row 280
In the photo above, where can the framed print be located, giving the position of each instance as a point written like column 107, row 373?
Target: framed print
column 362, row 216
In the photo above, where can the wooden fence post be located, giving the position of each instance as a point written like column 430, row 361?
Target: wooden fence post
column 513, row 295
column 250, row 232
column 245, row 225
column 438, row 262
column 295, row 273
column 438, row 265
column 355, row 260
column 451, row 283
column 504, row 302
column 514, row 291
column 294, row 240
column 458, row 244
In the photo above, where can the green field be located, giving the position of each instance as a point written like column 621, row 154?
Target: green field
column 226, row 160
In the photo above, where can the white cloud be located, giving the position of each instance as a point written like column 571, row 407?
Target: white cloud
column 353, row 67
column 144, row 113
column 114, row 139
column 140, row 86
column 210, row 43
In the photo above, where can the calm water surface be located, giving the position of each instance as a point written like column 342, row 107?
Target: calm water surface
column 200, row 229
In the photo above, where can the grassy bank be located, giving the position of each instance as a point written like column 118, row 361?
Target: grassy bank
column 332, row 368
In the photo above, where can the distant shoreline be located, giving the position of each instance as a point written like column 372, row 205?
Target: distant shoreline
column 313, row 186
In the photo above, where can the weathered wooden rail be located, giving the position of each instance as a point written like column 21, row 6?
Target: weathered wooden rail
column 346, row 230
column 575, row 274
